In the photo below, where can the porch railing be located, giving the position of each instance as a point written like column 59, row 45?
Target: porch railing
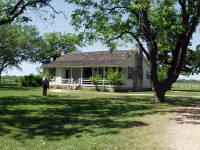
column 84, row 81
column 67, row 81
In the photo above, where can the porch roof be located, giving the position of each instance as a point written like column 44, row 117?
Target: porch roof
column 89, row 59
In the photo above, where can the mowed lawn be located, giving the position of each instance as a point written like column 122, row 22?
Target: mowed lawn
column 83, row 120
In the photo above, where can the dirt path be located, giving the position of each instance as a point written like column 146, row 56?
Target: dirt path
column 183, row 130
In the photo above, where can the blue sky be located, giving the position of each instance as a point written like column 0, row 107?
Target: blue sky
column 63, row 25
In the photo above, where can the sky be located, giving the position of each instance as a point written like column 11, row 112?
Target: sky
column 62, row 24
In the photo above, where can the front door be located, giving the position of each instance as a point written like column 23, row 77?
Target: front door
column 67, row 74
column 87, row 72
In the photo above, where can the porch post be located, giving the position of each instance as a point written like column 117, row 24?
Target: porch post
column 103, row 76
column 71, row 75
column 81, row 76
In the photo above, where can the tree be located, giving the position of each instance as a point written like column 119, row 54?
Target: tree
column 165, row 27
column 53, row 43
column 12, row 9
column 192, row 62
column 17, row 44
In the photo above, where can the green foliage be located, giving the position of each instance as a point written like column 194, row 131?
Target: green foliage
column 31, row 80
column 116, row 22
column 95, row 80
column 53, row 43
column 192, row 62
column 162, row 75
column 18, row 43
column 11, row 10
column 115, row 78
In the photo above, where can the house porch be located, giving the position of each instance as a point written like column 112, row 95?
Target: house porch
column 81, row 75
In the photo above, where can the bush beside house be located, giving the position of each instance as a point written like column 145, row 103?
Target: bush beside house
column 95, row 81
column 116, row 79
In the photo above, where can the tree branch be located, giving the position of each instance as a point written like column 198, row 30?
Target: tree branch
column 137, row 40
column 185, row 16
column 15, row 14
column 57, row 12
column 16, row 7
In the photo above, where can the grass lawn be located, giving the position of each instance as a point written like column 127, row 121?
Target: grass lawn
column 83, row 120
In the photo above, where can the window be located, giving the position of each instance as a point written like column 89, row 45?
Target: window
column 114, row 69
column 52, row 72
column 67, row 76
column 148, row 74
column 120, row 69
column 101, row 71
column 130, row 72
column 87, row 72
column 106, row 72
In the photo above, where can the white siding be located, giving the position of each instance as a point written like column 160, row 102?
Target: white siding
column 130, row 62
column 59, row 72
column 146, row 80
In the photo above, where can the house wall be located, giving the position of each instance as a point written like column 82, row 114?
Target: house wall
column 45, row 71
column 128, row 63
column 146, row 80
column 59, row 73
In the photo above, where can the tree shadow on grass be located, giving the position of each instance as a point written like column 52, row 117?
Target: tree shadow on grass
column 58, row 117
column 182, row 101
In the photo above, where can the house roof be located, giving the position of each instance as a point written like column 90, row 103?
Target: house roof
column 98, row 58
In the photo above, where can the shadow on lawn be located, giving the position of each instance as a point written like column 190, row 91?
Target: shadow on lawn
column 57, row 117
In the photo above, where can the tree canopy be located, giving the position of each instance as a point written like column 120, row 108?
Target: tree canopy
column 18, row 43
column 162, row 29
column 12, row 9
column 53, row 43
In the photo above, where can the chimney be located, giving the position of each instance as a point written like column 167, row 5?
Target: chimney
column 138, row 79
column 62, row 52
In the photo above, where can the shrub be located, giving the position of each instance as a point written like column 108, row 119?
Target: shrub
column 95, row 81
column 16, row 80
column 115, row 78
column 22, row 80
column 162, row 75
column 31, row 80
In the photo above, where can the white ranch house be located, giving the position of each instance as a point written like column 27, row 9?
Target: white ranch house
column 76, row 68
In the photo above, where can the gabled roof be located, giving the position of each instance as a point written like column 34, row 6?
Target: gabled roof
column 98, row 58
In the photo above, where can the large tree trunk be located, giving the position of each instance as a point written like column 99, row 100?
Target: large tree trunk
column 159, row 96
column 159, row 91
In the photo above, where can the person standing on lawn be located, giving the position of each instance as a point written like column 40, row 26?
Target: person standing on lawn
column 45, row 85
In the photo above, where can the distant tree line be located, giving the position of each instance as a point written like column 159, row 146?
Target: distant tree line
column 187, row 81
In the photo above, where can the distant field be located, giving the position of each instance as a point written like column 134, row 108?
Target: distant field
column 186, row 86
column 10, row 79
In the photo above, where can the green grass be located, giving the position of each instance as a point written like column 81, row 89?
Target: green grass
column 82, row 120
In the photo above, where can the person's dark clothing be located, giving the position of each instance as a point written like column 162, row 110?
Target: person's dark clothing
column 45, row 85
